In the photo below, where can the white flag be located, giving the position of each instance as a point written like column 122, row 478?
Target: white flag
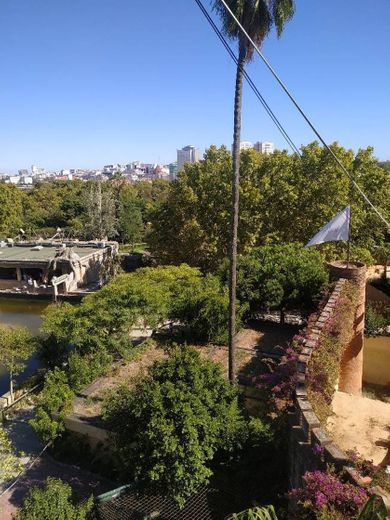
column 336, row 229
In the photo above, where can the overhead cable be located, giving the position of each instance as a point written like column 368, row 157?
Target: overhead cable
column 249, row 80
column 301, row 111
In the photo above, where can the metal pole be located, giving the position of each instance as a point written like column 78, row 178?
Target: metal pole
column 351, row 185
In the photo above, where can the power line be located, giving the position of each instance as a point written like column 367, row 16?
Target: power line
column 249, row 80
column 306, row 118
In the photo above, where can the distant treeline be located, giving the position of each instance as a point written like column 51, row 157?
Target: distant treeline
column 284, row 198
column 85, row 210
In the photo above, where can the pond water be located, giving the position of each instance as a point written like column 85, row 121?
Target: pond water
column 26, row 313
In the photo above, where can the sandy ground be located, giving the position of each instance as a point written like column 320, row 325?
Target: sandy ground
column 361, row 424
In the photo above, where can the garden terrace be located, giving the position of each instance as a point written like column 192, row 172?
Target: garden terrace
column 254, row 344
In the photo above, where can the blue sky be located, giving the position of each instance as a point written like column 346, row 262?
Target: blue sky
column 85, row 83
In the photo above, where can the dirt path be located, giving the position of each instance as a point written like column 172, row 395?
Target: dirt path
column 24, row 439
column 82, row 482
column 360, row 424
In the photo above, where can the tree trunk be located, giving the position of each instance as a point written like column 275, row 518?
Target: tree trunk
column 234, row 211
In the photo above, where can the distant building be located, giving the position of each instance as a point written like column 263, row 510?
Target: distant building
column 23, row 173
column 35, row 170
column 172, row 171
column 265, row 147
column 188, row 154
column 26, row 180
column 13, row 179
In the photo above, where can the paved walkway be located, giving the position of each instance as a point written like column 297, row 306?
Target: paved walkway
column 24, row 439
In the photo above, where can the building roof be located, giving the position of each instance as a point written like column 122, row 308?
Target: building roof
column 19, row 253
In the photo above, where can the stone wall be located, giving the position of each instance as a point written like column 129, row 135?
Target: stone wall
column 310, row 447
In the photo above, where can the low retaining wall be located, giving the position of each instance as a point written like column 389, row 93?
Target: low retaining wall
column 310, row 447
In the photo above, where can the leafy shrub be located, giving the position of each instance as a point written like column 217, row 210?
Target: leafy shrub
column 280, row 277
column 258, row 513
column 55, row 398
column 82, row 370
column 170, row 425
column 147, row 298
column 9, row 462
column 53, row 501
column 376, row 319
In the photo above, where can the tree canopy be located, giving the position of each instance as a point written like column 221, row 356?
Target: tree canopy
column 171, row 423
column 146, row 298
column 16, row 346
column 282, row 199
column 280, row 277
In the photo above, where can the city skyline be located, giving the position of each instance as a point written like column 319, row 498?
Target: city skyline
column 71, row 97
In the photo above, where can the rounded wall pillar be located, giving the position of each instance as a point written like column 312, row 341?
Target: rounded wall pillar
column 351, row 366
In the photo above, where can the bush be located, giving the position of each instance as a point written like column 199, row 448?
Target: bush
column 324, row 365
column 376, row 320
column 280, row 277
column 53, row 501
column 10, row 464
column 325, row 495
column 55, row 398
column 170, row 425
column 82, row 370
column 148, row 297
column 258, row 513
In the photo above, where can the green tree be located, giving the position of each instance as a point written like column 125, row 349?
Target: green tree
column 10, row 464
column 56, row 333
column 280, row 277
column 191, row 225
column 257, row 18
column 148, row 297
column 130, row 216
column 55, row 398
column 282, row 199
column 170, row 425
column 16, row 346
column 53, row 501
column 11, row 210
column 100, row 212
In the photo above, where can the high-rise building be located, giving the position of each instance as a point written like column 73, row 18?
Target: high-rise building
column 265, row 147
column 173, row 171
column 188, row 154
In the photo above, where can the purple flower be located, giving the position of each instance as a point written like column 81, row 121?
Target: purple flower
column 318, row 449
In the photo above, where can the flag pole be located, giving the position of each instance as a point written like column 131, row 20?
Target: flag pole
column 350, row 215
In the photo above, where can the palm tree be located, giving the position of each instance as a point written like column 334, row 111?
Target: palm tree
column 257, row 17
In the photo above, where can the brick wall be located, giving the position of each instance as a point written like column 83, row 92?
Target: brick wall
column 306, row 432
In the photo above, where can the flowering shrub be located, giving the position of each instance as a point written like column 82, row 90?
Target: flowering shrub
column 326, row 494
column 323, row 368
column 324, row 365
column 280, row 382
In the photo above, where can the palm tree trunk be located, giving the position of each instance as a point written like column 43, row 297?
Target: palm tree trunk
column 235, row 209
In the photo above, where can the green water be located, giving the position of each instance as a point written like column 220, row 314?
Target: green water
column 26, row 313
